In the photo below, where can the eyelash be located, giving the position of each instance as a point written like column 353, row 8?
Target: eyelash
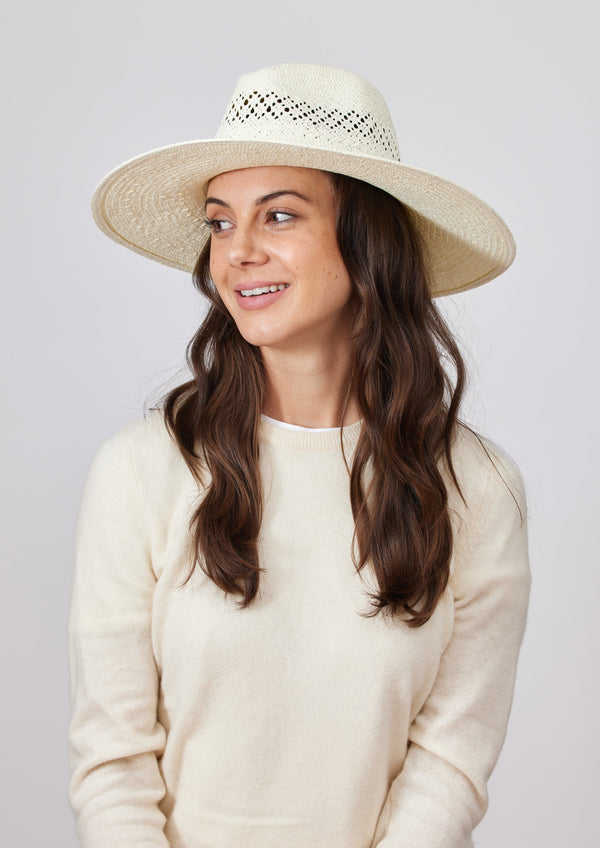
column 213, row 224
column 289, row 215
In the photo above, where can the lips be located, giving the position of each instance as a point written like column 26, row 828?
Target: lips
column 263, row 290
column 257, row 295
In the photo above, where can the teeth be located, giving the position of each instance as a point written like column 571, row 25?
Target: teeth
column 263, row 290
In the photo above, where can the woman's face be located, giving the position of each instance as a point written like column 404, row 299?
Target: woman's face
column 274, row 257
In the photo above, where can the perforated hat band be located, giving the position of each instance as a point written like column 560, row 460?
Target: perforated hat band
column 277, row 117
column 309, row 116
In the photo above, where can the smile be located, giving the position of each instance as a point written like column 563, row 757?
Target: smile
column 264, row 290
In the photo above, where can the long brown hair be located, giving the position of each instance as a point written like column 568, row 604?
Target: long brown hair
column 408, row 400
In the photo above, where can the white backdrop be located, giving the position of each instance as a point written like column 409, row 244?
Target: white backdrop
column 498, row 96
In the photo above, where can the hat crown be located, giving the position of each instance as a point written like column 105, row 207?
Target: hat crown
column 311, row 106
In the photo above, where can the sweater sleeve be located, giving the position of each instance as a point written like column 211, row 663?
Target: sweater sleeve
column 115, row 735
column 455, row 740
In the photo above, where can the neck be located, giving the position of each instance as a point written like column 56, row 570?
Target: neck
column 311, row 389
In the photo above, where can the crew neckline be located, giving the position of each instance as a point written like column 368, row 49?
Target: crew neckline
column 285, row 425
column 307, row 438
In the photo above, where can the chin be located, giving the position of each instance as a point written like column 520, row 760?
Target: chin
column 259, row 336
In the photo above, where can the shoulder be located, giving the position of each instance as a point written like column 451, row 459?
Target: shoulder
column 485, row 473
column 142, row 440
column 143, row 452
column 489, row 510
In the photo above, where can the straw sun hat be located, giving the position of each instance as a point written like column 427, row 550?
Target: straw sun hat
column 308, row 116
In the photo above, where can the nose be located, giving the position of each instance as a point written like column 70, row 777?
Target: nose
column 246, row 247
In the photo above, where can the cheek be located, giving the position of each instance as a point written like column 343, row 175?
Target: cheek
column 213, row 264
column 339, row 283
column 332, row 260
column 217, row 272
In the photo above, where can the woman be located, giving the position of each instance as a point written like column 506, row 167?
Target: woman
column 301, row 587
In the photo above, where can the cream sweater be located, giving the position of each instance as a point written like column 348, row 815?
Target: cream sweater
column 296, row 723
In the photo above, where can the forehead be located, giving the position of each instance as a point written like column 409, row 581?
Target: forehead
column 256, row 182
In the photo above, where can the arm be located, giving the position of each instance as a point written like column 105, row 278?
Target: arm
column 454, row 742
column 115, row 736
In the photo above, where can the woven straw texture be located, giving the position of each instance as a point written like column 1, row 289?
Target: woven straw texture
column 305, row 116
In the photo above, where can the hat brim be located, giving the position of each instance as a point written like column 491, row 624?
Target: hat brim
column 154, row 205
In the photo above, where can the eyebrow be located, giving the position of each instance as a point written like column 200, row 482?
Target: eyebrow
column 264, row 199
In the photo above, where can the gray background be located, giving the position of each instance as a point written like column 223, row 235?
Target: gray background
column 499, row 96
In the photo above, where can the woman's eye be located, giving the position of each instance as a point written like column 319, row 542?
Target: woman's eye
column 217, row 225
column 279, row 217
